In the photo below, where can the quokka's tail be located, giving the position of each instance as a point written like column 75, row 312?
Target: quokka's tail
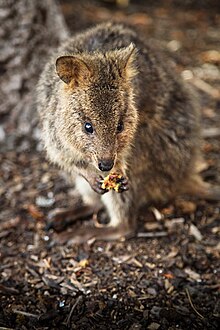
column 195, row 186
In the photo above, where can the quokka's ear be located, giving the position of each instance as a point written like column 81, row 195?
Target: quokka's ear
column 72, row 69
column 127, row 57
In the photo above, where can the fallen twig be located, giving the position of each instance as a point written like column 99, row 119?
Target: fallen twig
column 8, row 290
column 152, row 235
column 205, row 87
column 191, row 304
column 211, row 132
column 67, row 323
column 26, row 314
column 9, row 224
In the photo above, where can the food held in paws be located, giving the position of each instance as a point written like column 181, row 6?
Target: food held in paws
column 112, row 181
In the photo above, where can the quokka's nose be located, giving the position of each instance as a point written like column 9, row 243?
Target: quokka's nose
column 106, row 165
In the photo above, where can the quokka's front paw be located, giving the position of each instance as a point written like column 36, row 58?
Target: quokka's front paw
column 123, row 184
column 97, row 186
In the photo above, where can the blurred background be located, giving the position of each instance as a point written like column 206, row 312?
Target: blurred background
column 136, row 283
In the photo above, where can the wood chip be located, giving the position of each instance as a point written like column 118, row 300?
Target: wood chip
column 122, row 259
column 153, row 326
column 211, row 56
column 158, row 215
column 211, row 132
column 136, row 262
column 35, row 212
column 206, row 88
column 194, row 231
column 84, row 263
column 9, row 224
column 149, row 226
column 192, row 274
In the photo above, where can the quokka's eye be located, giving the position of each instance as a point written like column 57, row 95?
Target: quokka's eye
column 120, row 127
column 88, row 128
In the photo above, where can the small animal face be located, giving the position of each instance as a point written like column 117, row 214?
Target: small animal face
column 99, row 117
column 99, row 123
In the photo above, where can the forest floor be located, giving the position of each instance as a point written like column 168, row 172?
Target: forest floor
column 165, row 278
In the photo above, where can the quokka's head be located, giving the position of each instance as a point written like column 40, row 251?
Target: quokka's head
column 96, row 98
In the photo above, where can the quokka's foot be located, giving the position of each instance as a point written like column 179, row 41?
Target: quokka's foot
column 89, row 233
column 59, row 219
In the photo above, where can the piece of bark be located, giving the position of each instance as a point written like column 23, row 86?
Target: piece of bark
column 29, row 31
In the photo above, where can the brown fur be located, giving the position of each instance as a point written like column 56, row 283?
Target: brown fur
column 108, row 75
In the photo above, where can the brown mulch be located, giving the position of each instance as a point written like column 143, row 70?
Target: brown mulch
column 165, row 278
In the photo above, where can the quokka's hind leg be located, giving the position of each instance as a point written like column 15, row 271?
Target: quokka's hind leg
column 119, row 209
column 122, row 224
column 60, row 219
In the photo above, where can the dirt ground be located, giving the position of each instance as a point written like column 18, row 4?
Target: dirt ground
column 167, row 277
